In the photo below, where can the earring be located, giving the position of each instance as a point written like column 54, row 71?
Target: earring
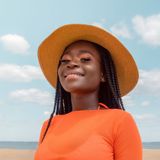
column 102, row 78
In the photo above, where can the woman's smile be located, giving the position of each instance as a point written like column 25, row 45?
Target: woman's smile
column 73, row 77
column 73, row 73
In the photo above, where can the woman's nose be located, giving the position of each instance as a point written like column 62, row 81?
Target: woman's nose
column 72, row 64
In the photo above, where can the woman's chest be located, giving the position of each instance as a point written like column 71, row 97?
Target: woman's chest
column 78, row 138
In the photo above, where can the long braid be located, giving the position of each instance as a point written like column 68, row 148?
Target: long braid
column 62, row 100
column 66, row 101
column 57, row 99
column 116, row 84
column 111, row 78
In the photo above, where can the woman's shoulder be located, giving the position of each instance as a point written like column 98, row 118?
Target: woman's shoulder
column 117, row 115
column 122, row 118
column 45, row 123
column 118, row 112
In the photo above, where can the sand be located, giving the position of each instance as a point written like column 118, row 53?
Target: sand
column 13, row 154
column 151, row 154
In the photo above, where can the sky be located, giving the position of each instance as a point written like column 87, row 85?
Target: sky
column 26, row 98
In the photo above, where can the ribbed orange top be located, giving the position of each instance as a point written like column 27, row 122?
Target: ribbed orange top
column 109, row 134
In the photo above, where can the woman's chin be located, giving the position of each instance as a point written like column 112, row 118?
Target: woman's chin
column 75, row 89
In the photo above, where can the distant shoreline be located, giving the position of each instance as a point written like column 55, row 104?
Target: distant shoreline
column 33, row 145
column 151, row 145
column 18, row 145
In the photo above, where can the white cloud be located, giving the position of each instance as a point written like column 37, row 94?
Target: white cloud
column 128, row 101
column 47, row 113
column 148, row 28
column 16, row 73
column 32, row 95
column 98, row 24
column 117, row 29
column 103, row 20
column 145, row 116
column 15, row 43
column 149, row 83
column 145, row 103
column 121, row 30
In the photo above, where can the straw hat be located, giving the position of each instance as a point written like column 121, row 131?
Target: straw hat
column 51, row 49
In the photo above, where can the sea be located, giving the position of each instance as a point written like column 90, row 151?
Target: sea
column 33, row 145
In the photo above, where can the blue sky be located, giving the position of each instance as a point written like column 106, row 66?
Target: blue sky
column 26, row 98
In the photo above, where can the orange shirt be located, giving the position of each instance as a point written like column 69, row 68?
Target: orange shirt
column 109, row 134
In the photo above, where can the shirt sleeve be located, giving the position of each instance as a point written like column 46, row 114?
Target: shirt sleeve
column 127, row 143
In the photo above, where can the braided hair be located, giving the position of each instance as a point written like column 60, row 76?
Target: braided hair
column 109, row 92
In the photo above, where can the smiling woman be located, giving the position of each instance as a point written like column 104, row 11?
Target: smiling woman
column 91, row 70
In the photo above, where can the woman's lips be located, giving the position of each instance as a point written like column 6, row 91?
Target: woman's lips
column 73, row 73
column 73, row 76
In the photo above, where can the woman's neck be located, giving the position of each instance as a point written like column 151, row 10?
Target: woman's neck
column 88, row 101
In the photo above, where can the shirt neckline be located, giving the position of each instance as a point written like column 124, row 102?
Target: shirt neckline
column 89, row 110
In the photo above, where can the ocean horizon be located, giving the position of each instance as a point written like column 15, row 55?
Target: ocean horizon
column 33, row 145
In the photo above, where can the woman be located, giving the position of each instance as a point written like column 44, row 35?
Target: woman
column 91, row 70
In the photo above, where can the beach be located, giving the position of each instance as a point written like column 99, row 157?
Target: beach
column 151, row 154
column 15, row 154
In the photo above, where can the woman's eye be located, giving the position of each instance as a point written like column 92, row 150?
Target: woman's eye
column 85, row 59
column 63, row 61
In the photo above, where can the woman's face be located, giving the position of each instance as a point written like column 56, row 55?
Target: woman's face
column 80, row 69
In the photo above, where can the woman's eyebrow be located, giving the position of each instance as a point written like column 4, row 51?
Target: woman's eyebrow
column 85, row 51
column 80, row 52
